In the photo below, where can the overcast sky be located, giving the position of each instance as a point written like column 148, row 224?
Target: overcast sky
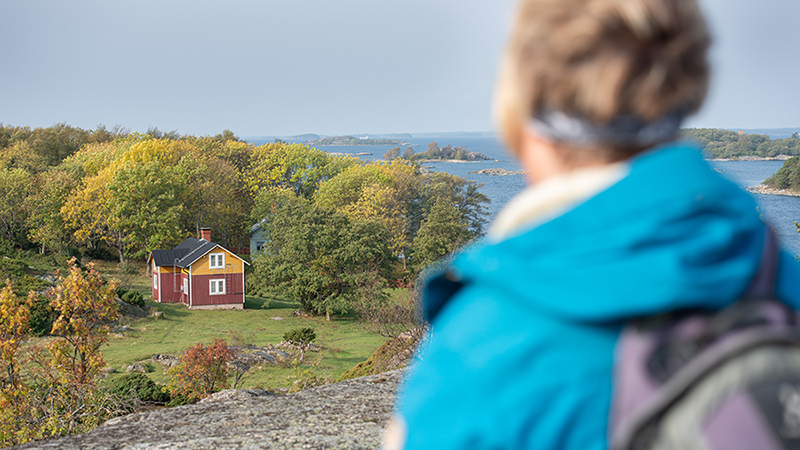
column 270, row 67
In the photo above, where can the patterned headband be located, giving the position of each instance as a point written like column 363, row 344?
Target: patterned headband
column 622, row 132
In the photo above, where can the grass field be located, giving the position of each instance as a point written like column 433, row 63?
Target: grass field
column 344, row 341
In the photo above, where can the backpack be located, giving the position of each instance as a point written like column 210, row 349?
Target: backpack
column 711, row 380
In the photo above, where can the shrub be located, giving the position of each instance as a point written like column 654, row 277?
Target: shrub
column 131, row 297
column 300, row 336
column 137, row 387
column 240, row 338
column 201, row 371
column 42, row 316
column 180, row 400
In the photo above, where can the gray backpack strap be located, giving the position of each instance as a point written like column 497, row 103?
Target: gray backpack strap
column 658, row 361
column 763, row 284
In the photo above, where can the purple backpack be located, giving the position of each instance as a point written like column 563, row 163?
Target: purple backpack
column 712, row 380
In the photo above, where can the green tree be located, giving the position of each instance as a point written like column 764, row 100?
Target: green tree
column 145, row 204
column 392, row 153
column 49, row 193
column 384, row 192
column 319, row 257
column 15, row 187
column 788, row 177
column 465, row 195
column 441, row 233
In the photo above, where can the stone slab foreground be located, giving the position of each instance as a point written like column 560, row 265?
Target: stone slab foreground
column 350, row 414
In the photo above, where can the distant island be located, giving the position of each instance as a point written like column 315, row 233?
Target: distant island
column 736, row 145
column 785, row 181
column 498, row 172
column 435, row 153
column 352, row 140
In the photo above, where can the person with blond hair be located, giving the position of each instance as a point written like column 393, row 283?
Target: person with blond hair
column 620, row 221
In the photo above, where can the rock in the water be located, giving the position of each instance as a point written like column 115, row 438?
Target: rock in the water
column 496, row 171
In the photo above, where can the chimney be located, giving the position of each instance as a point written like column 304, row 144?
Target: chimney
column 205, row 234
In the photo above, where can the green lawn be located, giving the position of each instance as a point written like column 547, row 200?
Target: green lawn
column 344, row 341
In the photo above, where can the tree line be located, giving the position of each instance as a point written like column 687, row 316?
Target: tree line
column 726, row 144
column 332, row 222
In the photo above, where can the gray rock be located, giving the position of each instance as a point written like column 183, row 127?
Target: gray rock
column 235, row 394
column 136, row 367
column 278, row 353
column 166, row 360
column 263, row 356
column 349, row 414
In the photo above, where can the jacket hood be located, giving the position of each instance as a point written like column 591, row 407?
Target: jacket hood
column 671, row 234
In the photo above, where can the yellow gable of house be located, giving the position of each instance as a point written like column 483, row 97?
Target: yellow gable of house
column 218, row 261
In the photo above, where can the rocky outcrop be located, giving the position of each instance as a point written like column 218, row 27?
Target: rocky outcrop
column 348, row 414
column 766, row 190
column 498, row 172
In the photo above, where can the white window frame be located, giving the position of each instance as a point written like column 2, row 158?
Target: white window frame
column 216, row 287
column 155, row 280
column 219, row 258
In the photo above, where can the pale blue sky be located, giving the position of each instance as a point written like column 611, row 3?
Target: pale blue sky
column 270, row 67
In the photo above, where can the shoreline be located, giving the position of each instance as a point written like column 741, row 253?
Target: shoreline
column 766, row 190
column 752, row 158
column 456, row 160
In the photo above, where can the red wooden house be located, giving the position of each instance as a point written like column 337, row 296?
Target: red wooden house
column 198, row 273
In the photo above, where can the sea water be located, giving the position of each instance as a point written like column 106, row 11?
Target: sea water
column 780, row 211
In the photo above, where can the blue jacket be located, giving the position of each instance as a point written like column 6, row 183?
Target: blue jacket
column 523, row 330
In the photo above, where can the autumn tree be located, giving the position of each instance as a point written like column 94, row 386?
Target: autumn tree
column 214, row 197
column 87, row 213
column 14, row 318
column 294, row 166
column 56, row 391
column 14, row 402
column 20, row 155
column 86, row 308
column 201, row 371
column 383, row 192
column 401, row 198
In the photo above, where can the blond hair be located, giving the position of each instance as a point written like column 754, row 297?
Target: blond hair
column 601, row 59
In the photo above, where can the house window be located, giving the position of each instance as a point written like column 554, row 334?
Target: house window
column 216, row 287
column 155, row 281
column 259, row 246
column 216, row 260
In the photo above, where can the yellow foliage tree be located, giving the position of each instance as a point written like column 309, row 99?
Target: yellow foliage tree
column 85, row 306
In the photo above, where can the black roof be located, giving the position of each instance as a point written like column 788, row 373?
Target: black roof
column 168, row 257
column 184, row 254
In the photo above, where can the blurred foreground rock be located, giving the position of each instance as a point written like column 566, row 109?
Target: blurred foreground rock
column 348, row 414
